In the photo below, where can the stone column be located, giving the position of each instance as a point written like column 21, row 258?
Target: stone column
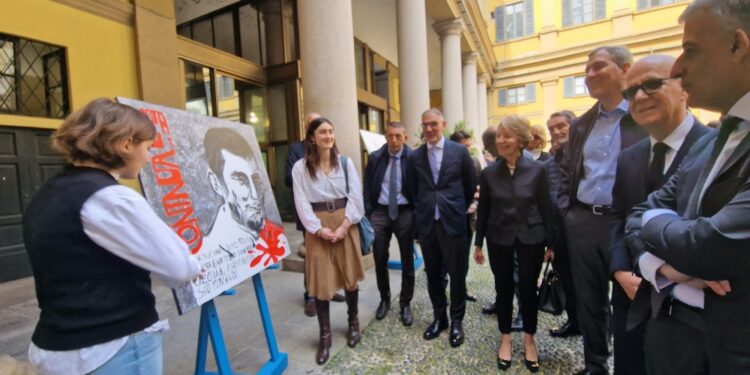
column 414, row 86
column 452, row 90
column 328, row 75
column 482, row 104
column 471, row 113
column 271, row 10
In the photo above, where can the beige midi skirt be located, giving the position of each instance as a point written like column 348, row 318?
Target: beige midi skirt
column 331, row 267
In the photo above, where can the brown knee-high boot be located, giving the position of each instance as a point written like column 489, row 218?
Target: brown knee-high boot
column 324, row 320
column 352, row 299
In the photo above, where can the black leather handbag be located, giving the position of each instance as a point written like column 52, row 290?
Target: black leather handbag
column 551, row 293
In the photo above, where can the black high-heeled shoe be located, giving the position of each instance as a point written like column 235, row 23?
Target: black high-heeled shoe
column 503, row 364
column 532, row 366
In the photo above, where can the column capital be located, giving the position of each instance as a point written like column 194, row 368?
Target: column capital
column 483, row 78
column 448, row 27
column 470, row 58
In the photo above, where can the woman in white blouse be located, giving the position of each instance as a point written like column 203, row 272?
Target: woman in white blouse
column 92, row 245
column 329, row 208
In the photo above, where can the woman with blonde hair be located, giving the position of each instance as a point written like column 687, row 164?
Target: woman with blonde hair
column 93, row 243
column 538, row 143
column 515, row 214
column 328, row 198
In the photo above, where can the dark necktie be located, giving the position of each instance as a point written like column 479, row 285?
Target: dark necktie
column 393, row 190
column 656, row 169
column 728, row 125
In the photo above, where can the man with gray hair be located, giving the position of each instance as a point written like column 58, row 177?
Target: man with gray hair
column 442, row 179
column 585, row 195
column 698, row 222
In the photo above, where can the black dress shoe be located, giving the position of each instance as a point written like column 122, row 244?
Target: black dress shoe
column 503, row 364
column 383, row 307
column 567, row 329
column 489, row 309
column 457, row 334
column 435, row 328
column 517, row 324
column 406, row 317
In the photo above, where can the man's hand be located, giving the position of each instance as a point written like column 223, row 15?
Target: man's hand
column 672, row 274
column 549, row 254
column 721, row 287
column 478, row 255
column 628, row 282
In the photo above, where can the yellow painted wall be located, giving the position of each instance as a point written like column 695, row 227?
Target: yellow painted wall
column 101, row 53
column 650, row 34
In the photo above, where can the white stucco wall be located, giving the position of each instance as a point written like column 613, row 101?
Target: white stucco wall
column 375, row 25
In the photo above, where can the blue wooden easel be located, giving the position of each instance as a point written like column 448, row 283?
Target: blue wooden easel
column 418, row 261
column 210, row 327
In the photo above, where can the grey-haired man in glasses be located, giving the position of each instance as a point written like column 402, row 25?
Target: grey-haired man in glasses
column 659, row 105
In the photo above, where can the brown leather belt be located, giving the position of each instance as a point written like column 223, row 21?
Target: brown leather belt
column 329, row 206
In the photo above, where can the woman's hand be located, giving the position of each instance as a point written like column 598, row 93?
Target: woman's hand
column 549, row 255
column 478, row 255
column 325, row 234
column 339, row 234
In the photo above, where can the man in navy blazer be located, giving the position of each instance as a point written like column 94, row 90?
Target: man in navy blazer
column 698, row 222
column 388, row 205
column 659, row 105
column 442, row 179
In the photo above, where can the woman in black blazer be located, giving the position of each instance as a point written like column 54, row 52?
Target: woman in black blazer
column 515, row 214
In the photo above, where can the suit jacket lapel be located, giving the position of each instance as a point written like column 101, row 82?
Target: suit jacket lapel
column 443, row 165
column 741, row 150
column 642, row 167
column 691, row 137
column 426, row 163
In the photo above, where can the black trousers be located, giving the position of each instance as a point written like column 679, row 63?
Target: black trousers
column 440, row 250
column 403, row 227
column 675, row 348
column 561, row 262
column 628, row 345
column 530, row 258
column 588, row 244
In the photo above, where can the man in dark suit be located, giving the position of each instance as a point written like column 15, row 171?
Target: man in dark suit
column 658, row 104
column 698, row 222
column 585, row 196
column 388, row 205
column 442, row 179
column 559, row 127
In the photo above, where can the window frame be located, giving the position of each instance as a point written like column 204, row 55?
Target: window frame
column 598, row 12
column 502, row 20
column 527, row 91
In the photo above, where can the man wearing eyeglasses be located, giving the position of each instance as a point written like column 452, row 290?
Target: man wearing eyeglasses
column 698, row 222
column 585, row 196
column 442, row 179
column 658, row 104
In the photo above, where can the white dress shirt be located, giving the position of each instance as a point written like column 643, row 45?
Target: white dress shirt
column 674, row 141
column 326, row 187
column 121, row 221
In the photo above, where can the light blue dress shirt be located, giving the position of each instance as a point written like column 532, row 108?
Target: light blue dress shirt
column 600, row 153
column 384, row 187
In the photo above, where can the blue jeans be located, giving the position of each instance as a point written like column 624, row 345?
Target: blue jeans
column 141, row 355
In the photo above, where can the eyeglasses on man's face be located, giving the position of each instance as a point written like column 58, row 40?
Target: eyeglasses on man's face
column 432, row 124
column 650, row 87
